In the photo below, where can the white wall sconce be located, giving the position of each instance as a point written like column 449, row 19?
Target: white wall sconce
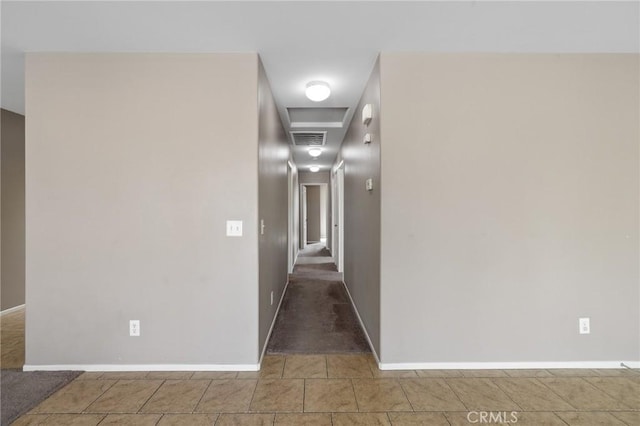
column 367, row 114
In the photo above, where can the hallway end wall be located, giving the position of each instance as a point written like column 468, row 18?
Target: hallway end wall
column 510, row 208
column 362, row 210
column 273, row 154
column 326, row 209
column 13, row 227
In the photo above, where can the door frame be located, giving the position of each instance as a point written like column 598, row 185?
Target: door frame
column 337, row 217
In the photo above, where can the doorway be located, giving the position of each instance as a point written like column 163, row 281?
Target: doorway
column 314, row 214
column 337, row 204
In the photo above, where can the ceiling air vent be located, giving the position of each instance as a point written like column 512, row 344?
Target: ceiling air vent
column 309, row 138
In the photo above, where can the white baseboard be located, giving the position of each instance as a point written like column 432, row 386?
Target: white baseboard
column 143, row 367
column 366, row 333
column 273, row 322
column 504, row 365
column 9, row 310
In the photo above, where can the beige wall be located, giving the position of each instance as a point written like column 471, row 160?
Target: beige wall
column 12, row 288
column 509, row 207
column 135, row 162
column 362, row 211
column 274, row 152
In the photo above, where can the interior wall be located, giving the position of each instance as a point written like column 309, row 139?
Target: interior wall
column 510, row 207
column 274, row 151
column 12, row 232
column 134, row 164
column 313, row 213
column 362, row 243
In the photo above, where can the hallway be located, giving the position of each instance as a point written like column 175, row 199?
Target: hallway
column 316, row 315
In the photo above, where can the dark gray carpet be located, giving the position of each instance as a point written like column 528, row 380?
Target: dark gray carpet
column 21, row 391
column 316, row 315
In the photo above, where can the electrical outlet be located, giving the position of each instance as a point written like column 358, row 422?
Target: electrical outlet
column 134, row 328
column 584, row 326
column 234, row 228
column 272, row 298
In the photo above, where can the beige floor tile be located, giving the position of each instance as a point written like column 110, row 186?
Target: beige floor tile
column 131, row 419
column 360, row 419
column 418, row 419
column 74, row 397
column 73, row 419
column 126, row 396
column 188, row 420
column 590, row 418
column 528, row 373
column 439, row 373
column 90, row 375
column 245, row 420
column 581, row 394
column 571, row 372
column 431, row 395
column 303, row 419
column 30, row 420
column 484, row 373
column 329, row 395
column 531, row 395
column 278, row 395
column 380, row 395
column 348, row 366
column 217, row 375
column 617, row 372
column 620, row 388
column 176, row 396
column 305, row 367
column 230, row 396
column 169, row 375
column 271, row 368
column 631, row 418
column 124, row 375
column 481, row 394
column 514, row 418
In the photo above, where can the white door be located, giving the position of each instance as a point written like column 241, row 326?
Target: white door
column 291, row 258
column 303, row 212
column 340, row 221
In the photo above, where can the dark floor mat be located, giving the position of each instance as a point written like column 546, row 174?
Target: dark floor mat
column 21, row 391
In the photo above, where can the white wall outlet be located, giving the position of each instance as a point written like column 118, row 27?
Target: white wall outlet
column 584, row 326
column 271, row 298
column 234, row 228
column 134, row 328
column 261, row 226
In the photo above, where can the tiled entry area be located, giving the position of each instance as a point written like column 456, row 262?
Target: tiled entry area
column 343, row 390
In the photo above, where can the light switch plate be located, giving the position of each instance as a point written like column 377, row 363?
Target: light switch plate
column 234, row 228
column 369, row 184
column 367, row 138
column 367, row 113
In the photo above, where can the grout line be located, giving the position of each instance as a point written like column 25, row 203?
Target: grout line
column 492, row 381
column 353, row 388
column 151, row 396
column 405, row 395
column 201, row 396
column 253, row 394
column 161, row 416
column 84, row 411
column 555, row 393
column 446, row 382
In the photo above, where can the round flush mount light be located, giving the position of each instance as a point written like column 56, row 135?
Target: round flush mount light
column 318, row 90
column 315, row 152
column 314, row 169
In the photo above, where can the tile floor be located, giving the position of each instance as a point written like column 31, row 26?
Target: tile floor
column 341, row 390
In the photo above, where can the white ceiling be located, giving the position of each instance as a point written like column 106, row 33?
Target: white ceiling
column 302, row 41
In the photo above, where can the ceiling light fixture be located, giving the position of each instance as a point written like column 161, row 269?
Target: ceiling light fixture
column 315, row 152
column 314, row 169
column 318, row 90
